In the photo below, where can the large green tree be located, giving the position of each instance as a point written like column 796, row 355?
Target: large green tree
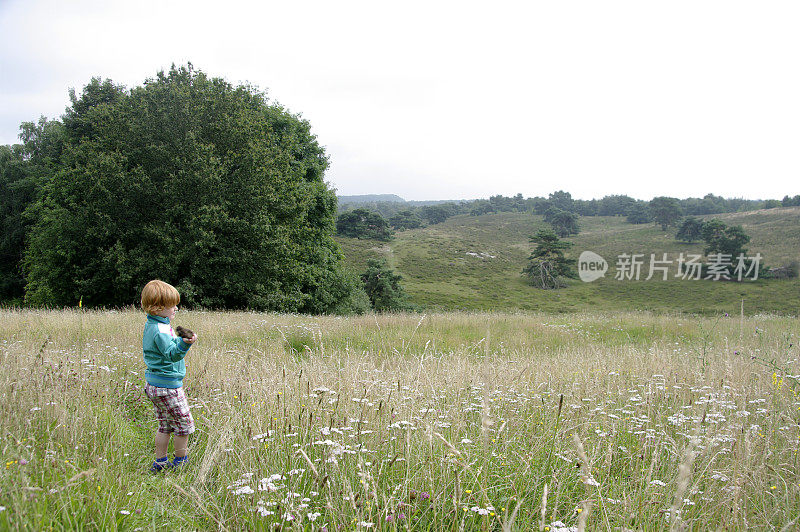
column 548, row 267
column 14, row 198
column 691, row 229
column 405, row 219
column 564, row 223
column 436, row 214
column 561, row 200
column 665, row 211
column 724, row 239
column 638, row 213
column 191, row 180
column 726, row 245
column 383, row 288
column 24, row 168
column 361, row 223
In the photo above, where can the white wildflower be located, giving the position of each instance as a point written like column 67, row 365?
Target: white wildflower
column 590, row 481
column 558, row 526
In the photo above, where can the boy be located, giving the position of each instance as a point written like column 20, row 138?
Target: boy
column 163, row 354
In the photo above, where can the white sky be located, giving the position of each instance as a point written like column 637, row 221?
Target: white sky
column 457, row 100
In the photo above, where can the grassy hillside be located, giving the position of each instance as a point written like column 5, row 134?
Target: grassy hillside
column 474, row 262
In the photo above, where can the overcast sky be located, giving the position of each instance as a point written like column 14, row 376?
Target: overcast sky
column 458, row 100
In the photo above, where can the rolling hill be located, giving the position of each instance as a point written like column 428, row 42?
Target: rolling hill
column 475, row 263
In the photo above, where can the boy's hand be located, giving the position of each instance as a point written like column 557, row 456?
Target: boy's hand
column 188, row 336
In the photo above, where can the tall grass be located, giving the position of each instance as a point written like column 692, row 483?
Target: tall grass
column 452, row 421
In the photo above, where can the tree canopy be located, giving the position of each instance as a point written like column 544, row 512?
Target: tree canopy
column 665, row 211
column 383, row 287
column 724, row 239
column 548, row 267
column 188, row 179
column 361, row 223
column 406, row 219
column 564, row 223
column 691, row 229
column 638, row 213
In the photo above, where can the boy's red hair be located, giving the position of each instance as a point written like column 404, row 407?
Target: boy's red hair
column 158, row 295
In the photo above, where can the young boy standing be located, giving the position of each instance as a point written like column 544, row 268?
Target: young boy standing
column 163, row 354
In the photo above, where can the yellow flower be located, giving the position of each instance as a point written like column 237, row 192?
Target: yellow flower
column 467, row 491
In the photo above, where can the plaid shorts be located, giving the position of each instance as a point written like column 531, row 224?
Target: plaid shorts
column 172, row 409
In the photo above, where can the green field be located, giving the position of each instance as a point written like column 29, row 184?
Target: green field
column 446, row 421
column 439, row 273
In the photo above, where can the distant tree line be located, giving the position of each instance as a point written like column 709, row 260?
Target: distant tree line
column 373, row 224
column 635, row 211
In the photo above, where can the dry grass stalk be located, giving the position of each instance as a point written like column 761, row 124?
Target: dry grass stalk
column 221, row 436
column 508, row 524
column 544, row 507
column 196, row 498
column 684, row 476
column 583, row 517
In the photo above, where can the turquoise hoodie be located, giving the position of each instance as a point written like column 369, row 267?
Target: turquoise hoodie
column 163, row 353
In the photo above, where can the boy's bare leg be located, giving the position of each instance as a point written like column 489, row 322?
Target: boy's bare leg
column 162, row 442
column 181, row 443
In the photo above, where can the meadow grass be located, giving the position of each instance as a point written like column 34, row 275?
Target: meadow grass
column 450, row 421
